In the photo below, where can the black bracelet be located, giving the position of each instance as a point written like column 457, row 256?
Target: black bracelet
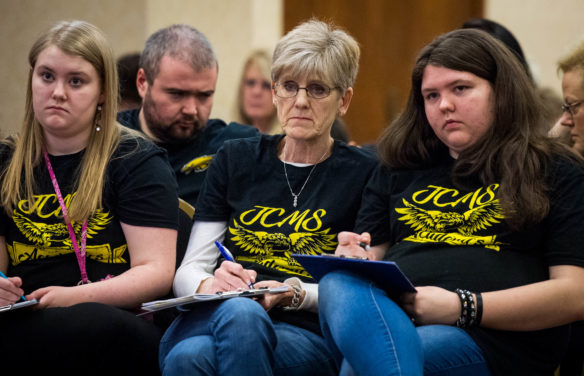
column 479, row 311
column 467, row 309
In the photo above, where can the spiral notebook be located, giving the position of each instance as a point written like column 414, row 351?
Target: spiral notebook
column 187, row 302
column 386, row 274
column 12, row 307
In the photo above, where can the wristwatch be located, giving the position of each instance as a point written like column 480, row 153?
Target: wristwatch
column 296, row 285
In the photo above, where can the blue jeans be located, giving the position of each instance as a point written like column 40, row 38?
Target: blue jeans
column 371, row 335
column 237, row 337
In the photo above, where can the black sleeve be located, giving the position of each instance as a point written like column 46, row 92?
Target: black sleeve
column 212, row 203
column 564, row 237
column 146, row 188
column 373, row 215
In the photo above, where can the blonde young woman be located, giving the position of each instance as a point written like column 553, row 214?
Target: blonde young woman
column 254, row 101
column 88, row 226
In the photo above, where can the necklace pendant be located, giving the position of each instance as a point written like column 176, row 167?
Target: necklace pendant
column 295, row 201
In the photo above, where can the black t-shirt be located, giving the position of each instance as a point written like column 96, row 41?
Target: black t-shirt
column 246, row 187
column 442, row 236
column 140, row 190
column 191, row 160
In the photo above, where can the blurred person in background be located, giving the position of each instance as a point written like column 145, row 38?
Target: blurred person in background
column 127, row 70
column 254, row 99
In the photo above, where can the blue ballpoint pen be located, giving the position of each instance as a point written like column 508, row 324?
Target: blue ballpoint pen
column 228, row 256
column 4, row 276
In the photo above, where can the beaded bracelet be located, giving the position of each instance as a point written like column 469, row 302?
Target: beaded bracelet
column 467, row 310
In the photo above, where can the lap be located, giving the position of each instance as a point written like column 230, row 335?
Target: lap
column 202, row 333
column 96, row 337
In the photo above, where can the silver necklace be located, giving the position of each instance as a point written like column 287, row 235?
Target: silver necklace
column 295, row 195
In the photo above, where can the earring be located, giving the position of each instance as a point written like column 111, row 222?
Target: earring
column 98, row 118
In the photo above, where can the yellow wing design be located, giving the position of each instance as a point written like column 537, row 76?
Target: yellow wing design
column 197, row 165
column 312, row 243
column 418, row 218
column 96, row 222
column 481, row 217
column 37, row 232
column 250, row 241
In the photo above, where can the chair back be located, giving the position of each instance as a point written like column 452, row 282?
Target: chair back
column 185, row 225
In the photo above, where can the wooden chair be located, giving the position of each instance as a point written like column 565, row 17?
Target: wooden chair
column 185, row 225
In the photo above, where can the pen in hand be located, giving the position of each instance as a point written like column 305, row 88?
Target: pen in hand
column 4, row 276
column 364, row 246
column 228, row 256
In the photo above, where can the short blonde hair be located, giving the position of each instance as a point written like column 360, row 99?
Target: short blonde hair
column 573, row 60
column 75, row 38
column 318, row 48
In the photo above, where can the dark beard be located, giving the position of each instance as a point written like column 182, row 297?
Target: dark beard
column 165, row 133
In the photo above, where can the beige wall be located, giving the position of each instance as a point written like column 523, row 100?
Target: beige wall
column 234, row 27
column 546, row 30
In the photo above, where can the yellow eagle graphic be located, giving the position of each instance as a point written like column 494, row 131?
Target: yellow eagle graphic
column 434, row 226
column 43, row 234
column 198, row 164
column 262, row 242
column 468, row 223
column 274, row 250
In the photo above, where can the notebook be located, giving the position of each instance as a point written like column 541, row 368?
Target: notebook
column 12, row 307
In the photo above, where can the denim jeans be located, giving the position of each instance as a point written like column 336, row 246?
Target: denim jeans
column 371, row 335
column 237, row 337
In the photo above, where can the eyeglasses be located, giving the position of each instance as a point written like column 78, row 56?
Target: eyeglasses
column 571, row 108
column 253, row 82
column 290, row 89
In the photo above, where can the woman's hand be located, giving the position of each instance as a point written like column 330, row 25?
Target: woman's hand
column 349, row 244
column 431, row 305
column 355, row 245
column 55, row 296
column 10, row 291
column 269, row 301
column 228, row 277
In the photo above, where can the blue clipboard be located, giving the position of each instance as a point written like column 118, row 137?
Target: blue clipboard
column 386, row 274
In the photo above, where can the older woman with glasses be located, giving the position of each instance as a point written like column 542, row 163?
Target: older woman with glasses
column 267, row 198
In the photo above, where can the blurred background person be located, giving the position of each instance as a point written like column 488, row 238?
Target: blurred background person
column 176, row 81
column 572, row 122
column 254, row 100
column 127, row 69
column 572, row 68
column 503, row 34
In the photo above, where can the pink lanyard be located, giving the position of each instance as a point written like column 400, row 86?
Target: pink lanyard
column 80, row 253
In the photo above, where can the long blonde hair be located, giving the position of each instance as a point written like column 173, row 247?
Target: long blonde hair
column 76, row 38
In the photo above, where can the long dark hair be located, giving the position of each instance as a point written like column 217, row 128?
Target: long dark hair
column 515, row 152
